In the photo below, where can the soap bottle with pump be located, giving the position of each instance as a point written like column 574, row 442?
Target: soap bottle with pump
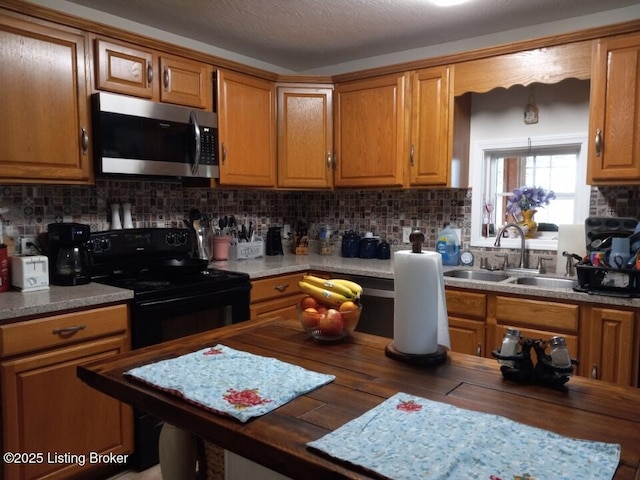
column 448, row 245
column 466, row 257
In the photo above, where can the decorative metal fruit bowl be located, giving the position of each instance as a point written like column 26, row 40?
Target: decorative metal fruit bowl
column 328, row 323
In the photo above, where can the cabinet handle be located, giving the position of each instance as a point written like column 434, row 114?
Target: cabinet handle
column 328, row 160
column 84, row 141
column 598, row 142
column 68, row 331
column 411, row 152
column 165, row 78
column 224, row 153
column 149, row 73
column 281, row 288
column 479, row 350
column 594, row 372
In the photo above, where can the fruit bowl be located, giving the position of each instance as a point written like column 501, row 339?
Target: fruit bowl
column 325, row 322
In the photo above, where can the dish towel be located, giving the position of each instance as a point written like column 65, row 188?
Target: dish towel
column 231, row 382
column 408, row 437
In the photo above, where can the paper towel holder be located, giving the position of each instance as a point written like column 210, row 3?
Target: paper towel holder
column 440, row 355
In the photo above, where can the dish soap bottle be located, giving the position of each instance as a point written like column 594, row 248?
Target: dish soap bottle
column 466, row 257
column 448, row 246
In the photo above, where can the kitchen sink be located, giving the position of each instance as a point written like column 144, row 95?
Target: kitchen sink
column 483, row 275
column 547, row 282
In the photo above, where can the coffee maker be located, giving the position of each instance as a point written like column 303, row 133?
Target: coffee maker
column 68, row 252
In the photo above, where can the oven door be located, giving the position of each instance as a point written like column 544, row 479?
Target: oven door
column 160, row 320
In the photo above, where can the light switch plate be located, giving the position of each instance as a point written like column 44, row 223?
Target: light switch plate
column 406, row 231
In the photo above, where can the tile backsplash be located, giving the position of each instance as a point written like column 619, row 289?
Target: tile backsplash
column 165, row 203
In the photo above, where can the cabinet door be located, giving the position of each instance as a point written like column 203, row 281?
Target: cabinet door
column 611, row 346
column 614, row 124
column 186, row 82
column 370, row 132
column 124, row 69
column 46, row 408
column 305, row 137
column 429, row 156
column 467, row 336
column 246, row 125
column 44, row 94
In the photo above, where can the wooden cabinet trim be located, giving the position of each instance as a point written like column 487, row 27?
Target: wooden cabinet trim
column 539, row 314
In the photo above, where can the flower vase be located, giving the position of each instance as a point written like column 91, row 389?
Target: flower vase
column 529, row 222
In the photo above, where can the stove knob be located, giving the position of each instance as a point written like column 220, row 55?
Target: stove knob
column 182, row 238
column 170, row 238
column 104, row 244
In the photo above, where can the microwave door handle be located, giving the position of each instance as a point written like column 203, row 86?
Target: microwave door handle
column 196, row 133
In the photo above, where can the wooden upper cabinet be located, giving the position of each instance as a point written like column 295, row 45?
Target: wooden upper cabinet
column 186, row 82
column 246, row 128
column 145, row 73
column 429, row 157
column 44, row 132
column 371, row 131
column 305, row 136
column 614, row 124
column 124, row 69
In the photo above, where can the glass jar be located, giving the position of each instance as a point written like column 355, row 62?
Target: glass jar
column 559, row 353
column 509, row 346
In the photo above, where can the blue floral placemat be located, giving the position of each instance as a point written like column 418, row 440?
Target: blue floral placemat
column 231, row 382
column 409, row 437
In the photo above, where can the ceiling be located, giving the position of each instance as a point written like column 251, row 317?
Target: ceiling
column 302, row 35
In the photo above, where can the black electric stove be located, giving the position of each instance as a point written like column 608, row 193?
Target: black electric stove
column 174, row 296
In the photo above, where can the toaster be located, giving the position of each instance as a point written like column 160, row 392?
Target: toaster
column 30, row 272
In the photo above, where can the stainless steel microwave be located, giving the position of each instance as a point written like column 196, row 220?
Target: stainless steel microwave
column 133, row 136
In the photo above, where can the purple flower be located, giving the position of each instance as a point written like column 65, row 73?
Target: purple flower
column 528, row 198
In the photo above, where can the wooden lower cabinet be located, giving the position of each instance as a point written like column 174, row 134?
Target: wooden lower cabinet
column 613, row 351
column 47, row 410
column 275, row 296
column 467, row 312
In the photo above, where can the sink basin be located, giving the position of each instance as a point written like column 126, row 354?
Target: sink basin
column 484, row 275
column 547, row 282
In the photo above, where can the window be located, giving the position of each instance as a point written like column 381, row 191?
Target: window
column 554, row 163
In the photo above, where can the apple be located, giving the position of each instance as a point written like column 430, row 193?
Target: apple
column 350, row 314
column 310, row 318
column 332, row 323
column 322, row 309
column 308, row 302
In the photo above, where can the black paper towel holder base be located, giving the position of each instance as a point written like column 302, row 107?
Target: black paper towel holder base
column 435, row 358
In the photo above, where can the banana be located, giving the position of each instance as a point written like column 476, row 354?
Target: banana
column 322, row 294
column 353, row 286
column 329, row 285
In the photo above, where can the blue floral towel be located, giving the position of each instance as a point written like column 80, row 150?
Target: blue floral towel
column 230, row 381
column 408, row 437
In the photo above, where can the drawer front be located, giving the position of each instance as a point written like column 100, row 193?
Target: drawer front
column 466, row 304
column 275, row 287
column 536, row 313
column 59, row 330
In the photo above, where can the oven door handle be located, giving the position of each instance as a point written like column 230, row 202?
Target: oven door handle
column 377, row 292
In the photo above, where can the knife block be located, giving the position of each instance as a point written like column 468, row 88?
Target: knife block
column 300, row 245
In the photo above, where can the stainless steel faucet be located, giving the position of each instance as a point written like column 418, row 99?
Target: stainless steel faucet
column 521, row 232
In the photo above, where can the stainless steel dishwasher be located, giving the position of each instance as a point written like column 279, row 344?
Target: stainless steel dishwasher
column 377, row 305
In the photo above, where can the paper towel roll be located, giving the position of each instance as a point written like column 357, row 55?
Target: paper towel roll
column 420, row 312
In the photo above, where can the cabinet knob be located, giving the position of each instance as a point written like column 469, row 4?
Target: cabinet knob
column 328, row 160
column 411, row 154
column 598, row 142
column 84, row 141
column 149, row 73
column 224, row 153
column 281, row 288
column 479, row 350
column 594, row 372
column 165, row 78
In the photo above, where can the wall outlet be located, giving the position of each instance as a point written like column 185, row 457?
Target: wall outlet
column 406, row 231
column 26, row 249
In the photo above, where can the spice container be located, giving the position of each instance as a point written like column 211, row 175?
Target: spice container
column 559, row 353
column 509, row 346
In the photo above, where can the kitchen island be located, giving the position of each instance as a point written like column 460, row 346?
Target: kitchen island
column 364, row 378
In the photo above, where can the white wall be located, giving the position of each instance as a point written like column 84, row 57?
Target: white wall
column 563, row 108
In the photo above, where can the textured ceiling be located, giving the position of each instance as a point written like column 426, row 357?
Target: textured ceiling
column 300, row 35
